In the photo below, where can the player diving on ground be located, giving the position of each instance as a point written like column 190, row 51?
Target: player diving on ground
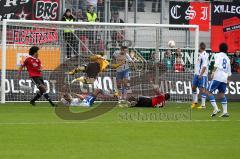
column 98, row 64
column 67, row 99
column 156, row 101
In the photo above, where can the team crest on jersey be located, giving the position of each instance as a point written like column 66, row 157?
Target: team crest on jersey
column 35, row 64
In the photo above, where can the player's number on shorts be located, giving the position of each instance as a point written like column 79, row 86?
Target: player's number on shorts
column 224, row 64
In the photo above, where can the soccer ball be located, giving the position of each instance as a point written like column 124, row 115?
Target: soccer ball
column 171, row 43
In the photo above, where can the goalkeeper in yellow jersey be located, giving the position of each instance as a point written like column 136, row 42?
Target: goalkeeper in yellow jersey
column 98, row 64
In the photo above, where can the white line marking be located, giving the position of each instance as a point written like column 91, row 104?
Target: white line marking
column 117, row 122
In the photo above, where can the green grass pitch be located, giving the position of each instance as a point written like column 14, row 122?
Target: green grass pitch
column 172, row 132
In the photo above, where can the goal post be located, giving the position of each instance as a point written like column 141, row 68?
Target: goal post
column 66, row 45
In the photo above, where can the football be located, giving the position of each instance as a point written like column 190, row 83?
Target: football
column 171, row 43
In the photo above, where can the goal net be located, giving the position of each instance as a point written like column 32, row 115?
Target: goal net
column 67, row 45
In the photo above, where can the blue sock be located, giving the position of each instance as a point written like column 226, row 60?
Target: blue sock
column 211, row 98
column 224, row 100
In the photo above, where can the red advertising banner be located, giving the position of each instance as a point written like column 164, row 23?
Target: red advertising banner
column 225, row 25
column 34, row 37
column 202, row 17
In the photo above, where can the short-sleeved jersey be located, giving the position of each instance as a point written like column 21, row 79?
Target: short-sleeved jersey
column 223, row 65
column 74, row 102
column 33, row 66
column 122, row 58
column 151, row 101
column 202, row 62
column 158, row 100
column 101, row 61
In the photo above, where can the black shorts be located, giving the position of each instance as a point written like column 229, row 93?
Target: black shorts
column 144, row 102
column 92, row 69
column 38, row 81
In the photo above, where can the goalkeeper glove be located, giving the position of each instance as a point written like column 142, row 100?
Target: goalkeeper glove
column 116, row 65
column 80, row 79
column 76, row 70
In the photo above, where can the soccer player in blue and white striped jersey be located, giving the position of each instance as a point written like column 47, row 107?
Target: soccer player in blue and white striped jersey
column 200, row 77
column 220, row 77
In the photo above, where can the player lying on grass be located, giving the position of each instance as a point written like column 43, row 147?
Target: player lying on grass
column 34, row 68
column 220, row 77
column 98, row 64
column 156, row 101
column 84, row 100
column 148, row 101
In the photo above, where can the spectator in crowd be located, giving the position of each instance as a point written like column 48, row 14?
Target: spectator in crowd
column 91, row 17
column 80, row 17
column 91, row 14
column 178, row 66
column 130, row 4
column 133, row 56
column 115, row 18
column 92, row 3
column 153, row 57
column 167, row 60
column 178, row 55
column 116, row 36
column 235, row 61
column 156, row 4
column 69, row 37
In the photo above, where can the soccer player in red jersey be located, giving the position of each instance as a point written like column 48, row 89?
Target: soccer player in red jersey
column 158, row 100
column 149, row 101
column 34, row 68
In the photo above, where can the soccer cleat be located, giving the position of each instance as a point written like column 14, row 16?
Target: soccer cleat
column 33, row 103
column 215, row 112
column 224, row 115
column 193, row 105
column 201, row 107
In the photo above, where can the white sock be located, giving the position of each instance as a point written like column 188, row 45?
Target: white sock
column 195, row 97
column 224, row 107
column 214, row 104
column 203, row 101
